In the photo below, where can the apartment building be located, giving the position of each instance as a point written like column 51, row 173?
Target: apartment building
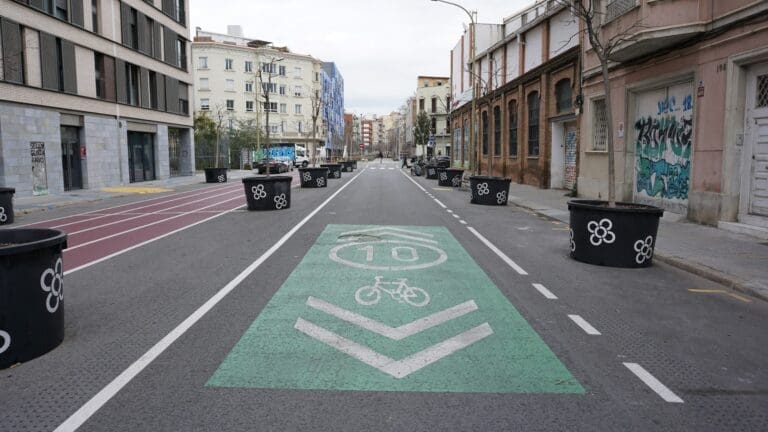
column 250, row 80
column 93, row 93
column 366, row 134
column 690, row 109
column 433, row 96
column 526, row 76
column 333, row 109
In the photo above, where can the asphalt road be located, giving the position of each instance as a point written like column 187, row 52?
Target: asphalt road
column 252, row 321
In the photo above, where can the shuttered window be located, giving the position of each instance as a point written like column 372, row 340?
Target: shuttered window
column 57, row 60
column 533, row 124
column 171, row 94
column 105, row 76
column 12, row 51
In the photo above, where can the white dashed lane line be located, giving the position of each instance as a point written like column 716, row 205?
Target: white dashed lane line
column 663, row 391
column 498, row 252
column 544, row 291
column 587, row 327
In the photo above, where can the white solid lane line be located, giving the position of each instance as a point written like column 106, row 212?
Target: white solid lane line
column 104, row 395
column 587, row 327
column 498, row 252
column 440, row 204
column 663, row 391
column 544, row 291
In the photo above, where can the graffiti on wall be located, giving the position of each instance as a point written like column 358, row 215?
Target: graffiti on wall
column 663, row 149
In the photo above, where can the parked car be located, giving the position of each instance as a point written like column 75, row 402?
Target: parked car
column 276, row 166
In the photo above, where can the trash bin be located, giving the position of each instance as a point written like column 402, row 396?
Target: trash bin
column 215, row 175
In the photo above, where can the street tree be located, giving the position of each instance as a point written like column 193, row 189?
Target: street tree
column 205, row 132
column 422, row 129
column 604, row 43
column 245, row 136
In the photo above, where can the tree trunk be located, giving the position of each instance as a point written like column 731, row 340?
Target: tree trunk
column 216, row 151
column 609, row 135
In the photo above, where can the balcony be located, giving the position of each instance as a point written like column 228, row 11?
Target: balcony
column 617, row 8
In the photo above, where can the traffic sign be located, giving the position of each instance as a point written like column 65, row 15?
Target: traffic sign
column 392, row 308
column 361, row 145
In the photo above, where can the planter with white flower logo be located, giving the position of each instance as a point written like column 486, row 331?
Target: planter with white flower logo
column 431, row 171
column 489, row 190
column 215, row 175
column 449, row 176
column 268, row 192
column 313, row 177
column 6, row 205
column 334, row 170
column 31, row 293
column 621, row 236
column 347, row 166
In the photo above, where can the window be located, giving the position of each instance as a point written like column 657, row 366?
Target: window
column 249, row 66
column 433, row 125
column 12, row 51
column 57, row 59
column 297, row 109
column 496, row 131
column 484, row 122
column 131, row 33
column 283, row 108
column 269, row 87
column 297, row 72
column 204, row 84
column 599, row 126
column 61, row 10
column 282, row 90
column 300, row 127
column 512, row 137
column 175, row 10
column 616, row 8
column 563, row 96
column 281, row 71
column 153, row 99
column 317, row 76
column 298, row 91
column 230, row 104
column 229, row 85
column 132, row 83
column 268, row 68
column 421, row 104
column 181, row 53
column 270, row 106
column 533, row 124
column 228, row 64
column 761, row 91
column 202, row 62
column 205, row 104
column 434, row 104
column 95, row 15
column 105, row 76
column 248, row 106
column 248, row 86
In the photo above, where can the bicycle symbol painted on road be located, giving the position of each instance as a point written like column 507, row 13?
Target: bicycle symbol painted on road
column 402, row 293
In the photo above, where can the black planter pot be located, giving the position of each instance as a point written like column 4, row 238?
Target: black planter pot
column 347, row 166
column 354, row 164
column 450, row 177
column 313, row 177
column 623, row 236
column 489, row 190
column 32, row 293
column 215, row 175
column 431, row 172
column 334, row 170
column 6, row 205
column 268, row 193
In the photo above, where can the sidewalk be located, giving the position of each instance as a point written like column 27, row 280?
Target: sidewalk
column 31, row 204
column 738, row 261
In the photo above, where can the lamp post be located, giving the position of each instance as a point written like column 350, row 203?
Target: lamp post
column 472, row 39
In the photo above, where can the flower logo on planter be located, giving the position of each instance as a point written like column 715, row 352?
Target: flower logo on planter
column 501, row 197
column 320, row 181
column 601, row 232
column 573, row 243
column 221, row 178
column 6, row 341
column 443, row 176
column 337, row 174
column 307, row 176
column 52, row 282
column 280, row 201
column 644, row 249
column 3, row 216
column 456, row 181
column 482, row 189
column 258, row 192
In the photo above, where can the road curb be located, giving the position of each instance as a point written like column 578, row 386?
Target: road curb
column 728, row 280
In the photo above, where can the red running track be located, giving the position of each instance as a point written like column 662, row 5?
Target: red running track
column 98, row 235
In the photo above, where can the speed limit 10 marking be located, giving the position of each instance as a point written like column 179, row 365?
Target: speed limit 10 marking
column 412, row 255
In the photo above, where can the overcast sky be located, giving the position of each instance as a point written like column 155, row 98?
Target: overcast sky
column 380, row 47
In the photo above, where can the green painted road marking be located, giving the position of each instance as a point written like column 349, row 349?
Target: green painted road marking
column 392, row 309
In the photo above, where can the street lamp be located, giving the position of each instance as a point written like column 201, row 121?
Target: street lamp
column 472, row 34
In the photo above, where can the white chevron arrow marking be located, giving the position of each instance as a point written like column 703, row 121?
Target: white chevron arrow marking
column 388, row 231
column 396, row 368
column 394, row 333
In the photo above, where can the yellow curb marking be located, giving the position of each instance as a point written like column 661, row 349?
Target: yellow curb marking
column 136, row 190
column 711, row 291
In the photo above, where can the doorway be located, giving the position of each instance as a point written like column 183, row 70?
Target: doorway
column 70, row 158
column 755, row 162
column 174, row 151
column 563, row 162
column 141, row 156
